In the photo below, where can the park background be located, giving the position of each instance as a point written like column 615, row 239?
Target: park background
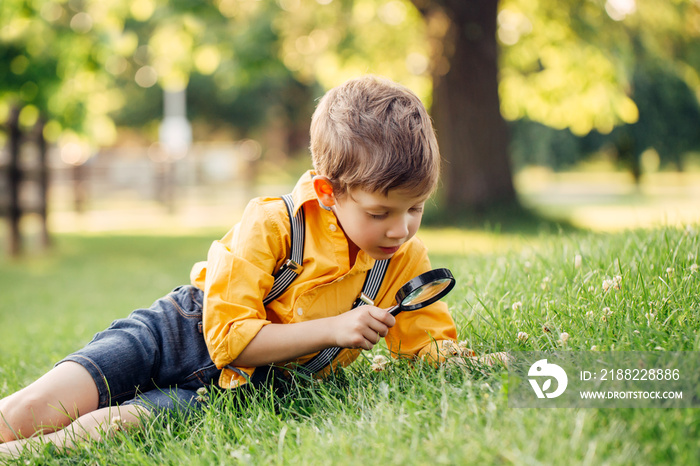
column 586, row 111
column 570, row 133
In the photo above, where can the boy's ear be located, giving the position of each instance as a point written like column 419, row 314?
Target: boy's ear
column 324, row 190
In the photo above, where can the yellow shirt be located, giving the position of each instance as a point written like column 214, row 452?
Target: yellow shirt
column 239, row 270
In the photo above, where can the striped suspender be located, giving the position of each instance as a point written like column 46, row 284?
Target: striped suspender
column 369, row 291
column 291, row 269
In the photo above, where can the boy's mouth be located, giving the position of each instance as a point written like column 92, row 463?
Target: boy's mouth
column 390, row 250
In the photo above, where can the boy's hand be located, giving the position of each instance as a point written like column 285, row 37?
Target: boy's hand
column 362, row 327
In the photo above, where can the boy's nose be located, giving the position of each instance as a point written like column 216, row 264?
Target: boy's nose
column 399, row 229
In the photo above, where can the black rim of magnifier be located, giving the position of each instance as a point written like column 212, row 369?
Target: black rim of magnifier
column 423, row 279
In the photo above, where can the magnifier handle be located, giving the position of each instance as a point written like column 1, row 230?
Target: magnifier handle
column 394, row 310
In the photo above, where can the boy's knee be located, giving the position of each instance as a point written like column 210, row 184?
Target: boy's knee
column 20, row 411
column 13, row 411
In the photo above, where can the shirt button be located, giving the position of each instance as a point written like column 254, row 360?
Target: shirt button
column 300, row 311
column 332, row 227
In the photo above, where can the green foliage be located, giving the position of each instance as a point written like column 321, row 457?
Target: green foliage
column 533, row 143
column 570, row 64
column 574, row 67
column 669, row 117
column 88, row 65
column 409, row 413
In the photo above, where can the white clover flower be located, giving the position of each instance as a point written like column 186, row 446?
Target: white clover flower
column 617, row 282
column 594, row 348
column 380, row 359
column 202, row 395
column 379, row 363
column 607, row 284
column 117, row 424
column 545, row 283
column 670, row 270
column 577, row 261
column 522, row 337
column 563, row 339
column 694, row 268
column 590, row 314
column 517, row 305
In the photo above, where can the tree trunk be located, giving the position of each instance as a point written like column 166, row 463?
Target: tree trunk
column 472, row 134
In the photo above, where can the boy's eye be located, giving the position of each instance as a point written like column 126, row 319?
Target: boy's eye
column 377, row 216
column 416, row 210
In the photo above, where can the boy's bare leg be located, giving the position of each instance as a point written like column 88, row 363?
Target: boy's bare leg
column 94, row 425
column 52, row 402
column 62, row 405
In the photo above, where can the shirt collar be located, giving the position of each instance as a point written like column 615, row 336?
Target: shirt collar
column 304, row 191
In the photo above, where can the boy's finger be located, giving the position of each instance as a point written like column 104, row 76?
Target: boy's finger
column 379, row 328
column 383, row 316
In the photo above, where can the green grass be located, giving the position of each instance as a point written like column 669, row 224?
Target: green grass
column 409, row 414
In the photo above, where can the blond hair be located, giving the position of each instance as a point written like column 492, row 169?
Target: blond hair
column 376, row 135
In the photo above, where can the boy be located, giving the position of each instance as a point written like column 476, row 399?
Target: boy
column 376, row 162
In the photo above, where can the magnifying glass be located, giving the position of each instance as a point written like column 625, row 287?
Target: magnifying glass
column 423, row 290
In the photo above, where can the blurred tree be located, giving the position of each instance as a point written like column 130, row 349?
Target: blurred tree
column 52, row 62
column 449, row 44
column 533, row 143
column 669, row 114
column 225, row 53
column 472, row 133
column 627, row 70
column 669, row 121
column 566, row 64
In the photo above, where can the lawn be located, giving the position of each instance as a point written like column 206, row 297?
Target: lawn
column 52, row 304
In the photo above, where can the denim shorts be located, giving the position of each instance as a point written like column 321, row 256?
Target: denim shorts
column 156, row 357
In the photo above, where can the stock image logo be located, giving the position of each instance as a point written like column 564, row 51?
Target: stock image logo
column 547, row 371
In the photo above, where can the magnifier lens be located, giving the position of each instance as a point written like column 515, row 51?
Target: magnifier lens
column 425, row 292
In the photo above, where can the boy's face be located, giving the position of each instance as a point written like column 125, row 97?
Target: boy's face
column 377, row 223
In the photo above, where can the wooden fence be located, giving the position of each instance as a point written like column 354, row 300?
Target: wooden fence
column 23, row 167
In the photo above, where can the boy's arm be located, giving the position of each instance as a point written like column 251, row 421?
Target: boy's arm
column 237, row 276
column 362, row 327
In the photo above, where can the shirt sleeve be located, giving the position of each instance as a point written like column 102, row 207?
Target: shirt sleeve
column 420, row 333
column 238, row 275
